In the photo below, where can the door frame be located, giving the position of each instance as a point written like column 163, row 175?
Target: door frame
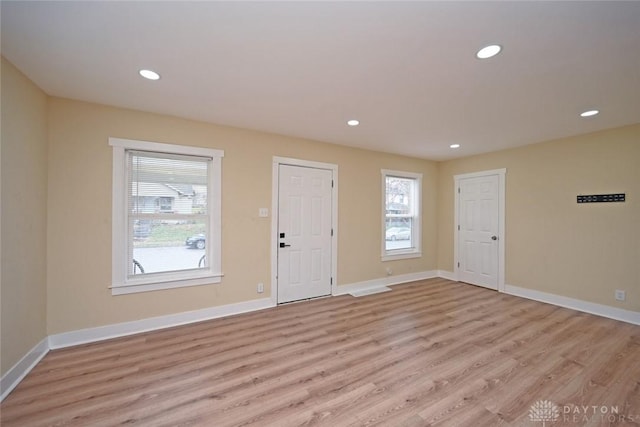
column 501, row 173
column 275, row 187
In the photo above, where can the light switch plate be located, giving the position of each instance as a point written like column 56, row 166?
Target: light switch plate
column 263, row 212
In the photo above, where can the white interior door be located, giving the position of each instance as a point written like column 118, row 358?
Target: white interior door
column 304, row 232
column 478, row 233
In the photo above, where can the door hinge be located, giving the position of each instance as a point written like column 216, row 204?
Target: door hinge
column 458, row 227
column 331, row 280
column 458, row 265
column 331, row 183
column 332, row 231
column 458, row 190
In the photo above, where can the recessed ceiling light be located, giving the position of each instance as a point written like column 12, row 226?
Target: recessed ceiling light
column 454, row 146
column 353, row 122
column 488, row 51
column 148, row 74
column 589, row 113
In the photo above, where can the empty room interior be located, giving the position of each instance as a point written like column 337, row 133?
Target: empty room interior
column 320, row 213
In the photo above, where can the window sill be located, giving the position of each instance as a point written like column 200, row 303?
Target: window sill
column 390, row 256
column 133, row 288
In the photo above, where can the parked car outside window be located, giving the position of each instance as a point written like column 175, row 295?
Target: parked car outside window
column 197, row 241
column 398, row 233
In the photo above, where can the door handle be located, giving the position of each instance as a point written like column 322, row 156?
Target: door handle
column 494, row 237
column 284, row 245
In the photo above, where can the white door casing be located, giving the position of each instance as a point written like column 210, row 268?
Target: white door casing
column 479, row 228
column 304, row 231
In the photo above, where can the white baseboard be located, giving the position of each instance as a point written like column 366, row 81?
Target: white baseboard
column 383, row 281
column 83, row 336
column 447, row 275
column 20, row 370
column 576, row 304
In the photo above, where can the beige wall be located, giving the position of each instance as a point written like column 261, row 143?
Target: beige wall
column 79, row 220
column 553, row 244
column 24, row 195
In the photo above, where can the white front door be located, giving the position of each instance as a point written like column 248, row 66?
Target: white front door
column 478, row 233
column 304, row 232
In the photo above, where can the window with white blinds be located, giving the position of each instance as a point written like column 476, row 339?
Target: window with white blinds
column 166, row 216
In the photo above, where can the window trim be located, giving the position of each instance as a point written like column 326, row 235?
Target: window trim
column 416, row 229
column 120, row 282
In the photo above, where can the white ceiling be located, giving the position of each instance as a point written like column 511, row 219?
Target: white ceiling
column 406, row 70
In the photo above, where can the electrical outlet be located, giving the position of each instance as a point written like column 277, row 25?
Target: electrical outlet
column 620, row 295
column 260, row 288
column 263, row 212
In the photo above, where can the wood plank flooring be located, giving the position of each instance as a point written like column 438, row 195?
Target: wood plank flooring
column 433, row 352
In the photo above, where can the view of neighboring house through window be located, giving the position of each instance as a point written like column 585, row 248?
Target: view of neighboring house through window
column 167, row 206
column 167, row 231
column 401, row 218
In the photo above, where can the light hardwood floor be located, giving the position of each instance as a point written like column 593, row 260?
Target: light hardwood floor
column 429, row 353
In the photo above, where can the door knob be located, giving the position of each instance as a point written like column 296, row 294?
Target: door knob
column 494, row 237
column 284, row 245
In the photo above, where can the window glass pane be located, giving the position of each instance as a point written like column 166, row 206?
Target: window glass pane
column 167, row 185
column 167, row 245
column 398, row 233
column 167, row 205
column 399, row 196
column 399, row 213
